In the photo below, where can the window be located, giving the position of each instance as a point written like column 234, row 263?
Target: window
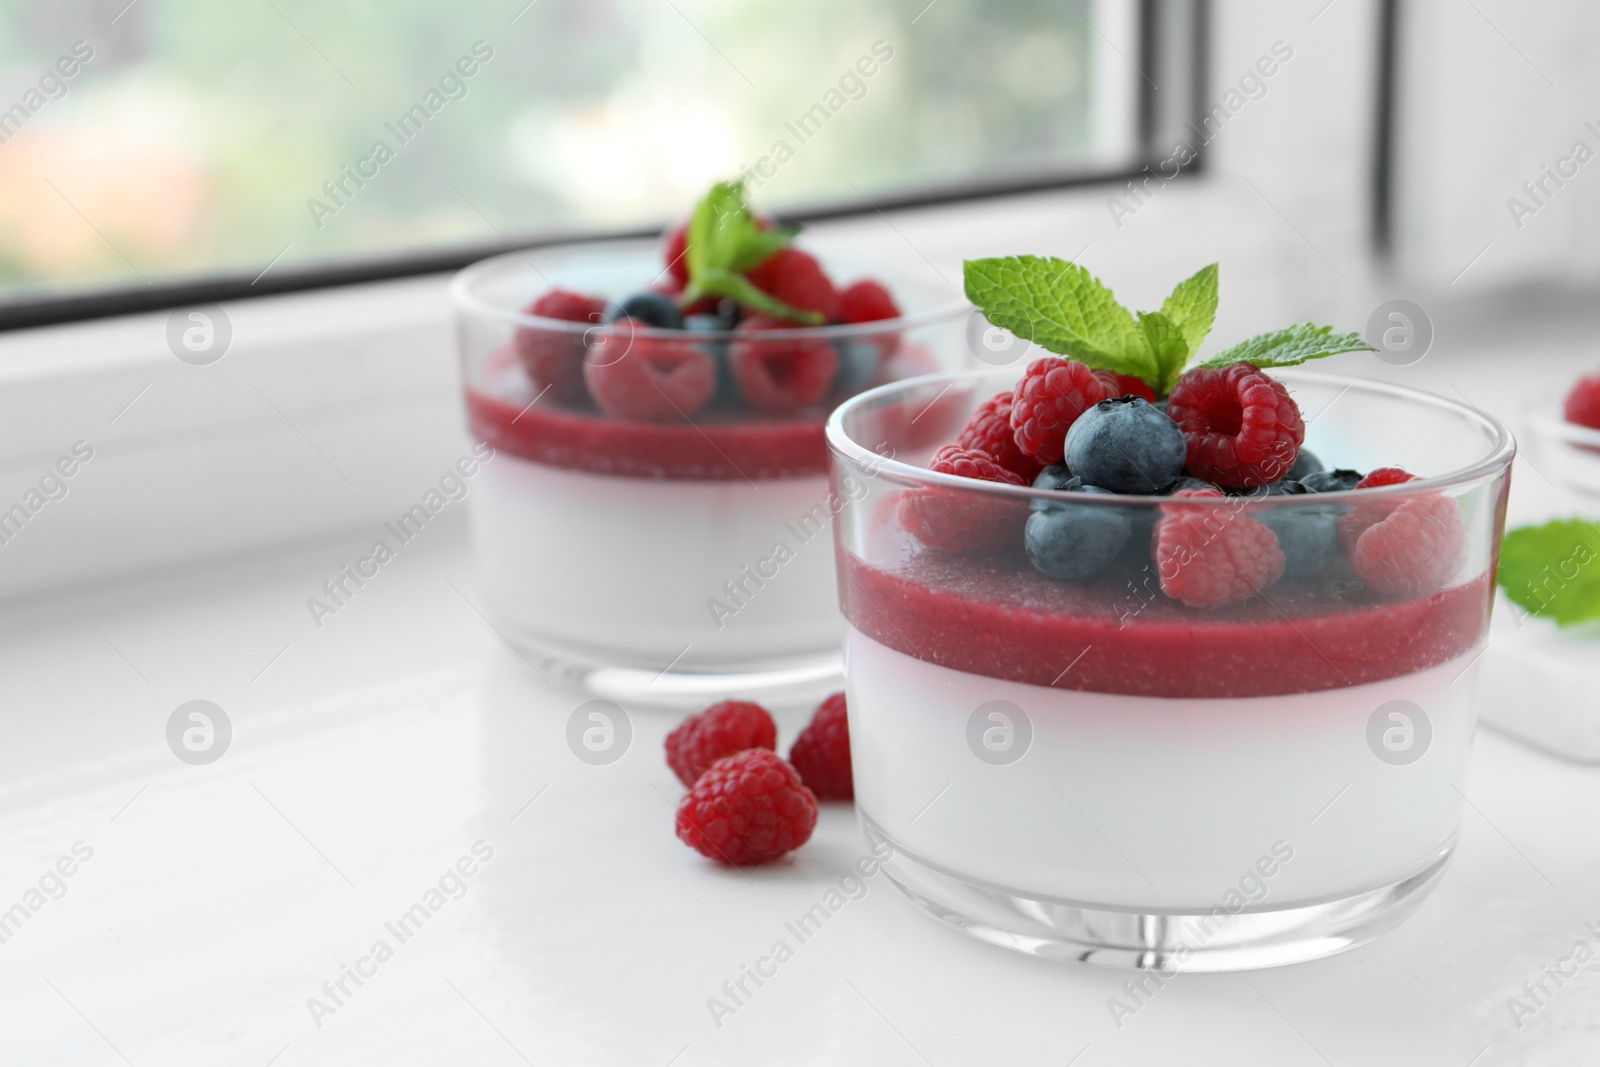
column 150, row 143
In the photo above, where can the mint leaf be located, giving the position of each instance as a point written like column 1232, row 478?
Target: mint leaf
column 1063, row 308
column 724, row 242
column 1192, row 308
column 719, row 282
column 1554, row 570
column 1286, row 347
column 1168, row 345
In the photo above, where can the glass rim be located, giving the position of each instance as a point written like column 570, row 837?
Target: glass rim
column 1503, row 449
column 465, row 298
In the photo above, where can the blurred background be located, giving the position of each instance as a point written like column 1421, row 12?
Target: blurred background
column 193, row 140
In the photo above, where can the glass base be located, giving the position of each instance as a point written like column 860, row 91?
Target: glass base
column 1163, row 941
column 789, row 681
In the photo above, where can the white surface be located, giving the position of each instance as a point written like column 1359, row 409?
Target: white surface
column 1125, row 801
column 371, row 754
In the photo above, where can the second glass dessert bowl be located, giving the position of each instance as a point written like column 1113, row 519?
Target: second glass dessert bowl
column 683, row 554
column 1094, row 769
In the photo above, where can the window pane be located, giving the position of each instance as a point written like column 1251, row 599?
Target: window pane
column 166, row 139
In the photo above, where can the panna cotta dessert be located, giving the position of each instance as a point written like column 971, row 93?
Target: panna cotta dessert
column 1132, row 676
column 657, row 518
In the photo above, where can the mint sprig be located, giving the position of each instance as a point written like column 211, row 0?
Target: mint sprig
column 724, row 243
column 1064, row 309
column 1553, row 570
column 1287, row 347
column 1059, row 305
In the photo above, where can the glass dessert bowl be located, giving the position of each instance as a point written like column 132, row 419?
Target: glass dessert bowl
column 1083, row 757
column 664, row 537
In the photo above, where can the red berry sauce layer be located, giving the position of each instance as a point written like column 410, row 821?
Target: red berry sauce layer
column 993, row 615
column 728, row 445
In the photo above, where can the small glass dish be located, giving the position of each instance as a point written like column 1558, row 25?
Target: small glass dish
column 1567, row 453
column 1095, row 771
column 1541, row 682
column 669, row 561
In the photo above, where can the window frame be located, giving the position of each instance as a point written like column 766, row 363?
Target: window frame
column 1173, row 38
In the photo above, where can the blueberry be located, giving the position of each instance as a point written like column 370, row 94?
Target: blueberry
column 1305, row 463
column 1056, row 476
column 1309, row 537
column 1075, row 541
column 727, row 392
column 1127, row 446
column 703, row 324
column 649, row 307
column 1330, row 481
column 857, row 361
column 1187, row 482
column 729, row 311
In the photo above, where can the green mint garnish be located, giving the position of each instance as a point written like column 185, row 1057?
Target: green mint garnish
column 1287, row 347
column 725, row 242
column 1192, row 308
column 1167, row 345
column 1554, row 570
column 1063, row 308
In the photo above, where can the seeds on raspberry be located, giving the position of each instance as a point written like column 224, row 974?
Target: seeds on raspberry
column 822, row 752
column 746, row 809
column 989, row 430
column 721, row 730
column 1048, row 399
column 954, row 520
column 1242, row 428
column 1211, row 556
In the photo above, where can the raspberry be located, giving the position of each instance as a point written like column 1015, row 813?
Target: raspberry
column 673, row 254
column 796, row 278
column 956, row 520
column 989, row 430
column 646, row 378
column 1242, row 427
column 1207, row 557
column 1131, row 386
column 822, row 752
column 869, row 301
column 866, row 301
column 1583, row 403
column 1413, row 545
column 554, row 358
column 748, row 808
column 1386, row 476
column 1052, row 394
column 721, row 730
column 780, row 375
